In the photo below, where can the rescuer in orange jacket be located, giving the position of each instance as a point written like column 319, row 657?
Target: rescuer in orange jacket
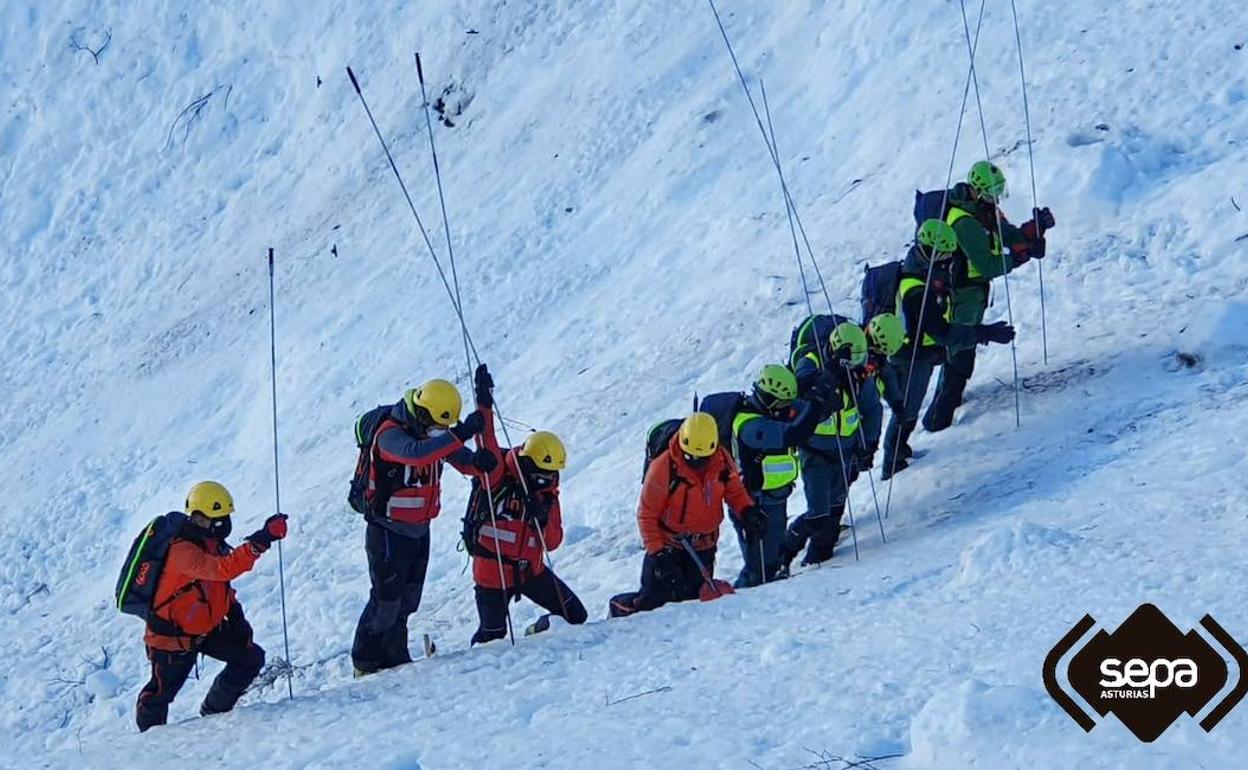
column 682, row 498
column 195, row 611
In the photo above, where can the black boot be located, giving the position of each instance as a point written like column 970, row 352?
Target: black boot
column 893, row 468
column 818, row 553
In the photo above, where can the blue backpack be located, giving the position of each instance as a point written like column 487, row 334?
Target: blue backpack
column 933, row 204
column 723, row 407
column 879, row 289
column 880, row 283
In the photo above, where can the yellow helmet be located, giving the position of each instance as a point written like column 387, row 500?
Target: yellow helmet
column 209, row 499
column 546, row 451
column 437, row 397
column 699, row 435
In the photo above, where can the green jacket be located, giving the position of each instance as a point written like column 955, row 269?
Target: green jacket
column 979, row 252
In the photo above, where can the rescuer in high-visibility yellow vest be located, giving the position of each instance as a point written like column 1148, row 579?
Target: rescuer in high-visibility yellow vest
column 830, row 369
column 988, row 247
column 769, row 424
column 924, row 309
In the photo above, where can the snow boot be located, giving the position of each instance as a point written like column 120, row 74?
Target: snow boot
column 816, row 554
column 538, row 626
column 787, row 554
column 893, row 468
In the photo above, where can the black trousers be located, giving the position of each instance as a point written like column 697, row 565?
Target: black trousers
column 905, row 381
column 229, row 642
column 969, row 305
column 667, row 576
column 396, row 569
column 545, row 590
column 955, row 373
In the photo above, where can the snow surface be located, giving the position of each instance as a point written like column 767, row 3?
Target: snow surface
column 622, row 243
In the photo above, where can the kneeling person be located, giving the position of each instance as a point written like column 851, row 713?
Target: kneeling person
column 513, row 518
column 682, row 503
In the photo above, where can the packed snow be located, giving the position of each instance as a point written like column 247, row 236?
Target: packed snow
column 621, row 244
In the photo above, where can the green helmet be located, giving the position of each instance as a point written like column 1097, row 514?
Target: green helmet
column 775, row 384
column 938, row 237
column 849, row 335
column 886, row 334
column 986, row 180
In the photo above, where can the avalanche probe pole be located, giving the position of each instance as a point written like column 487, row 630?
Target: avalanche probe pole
column 277, row 484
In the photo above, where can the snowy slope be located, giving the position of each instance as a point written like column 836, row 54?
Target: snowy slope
column 621, row 243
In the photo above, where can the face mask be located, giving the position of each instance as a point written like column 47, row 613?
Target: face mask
column 221, row 528
column 696, row 462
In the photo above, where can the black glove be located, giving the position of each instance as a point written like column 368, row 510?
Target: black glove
column 1044, row 218
column 274, row 529
column 483, row 386
column 665, row 564
column 999, row 332
column 804, row 425
column 754, row 521
column 825, row 388
column 469, row 427
column 484, row 460
column 864, row 460
column 1026, row 250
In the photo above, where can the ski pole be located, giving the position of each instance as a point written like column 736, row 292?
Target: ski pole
column 446, row 227
column 1005, row 272
column 471, row 352
column 931, row 265
column 862, row 440
column 1031, row 163
column 277, row 484
column 706, row 575
column 762, row 561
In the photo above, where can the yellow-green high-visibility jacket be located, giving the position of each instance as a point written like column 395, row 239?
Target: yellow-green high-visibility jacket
column 842, row 422
column 758, row 444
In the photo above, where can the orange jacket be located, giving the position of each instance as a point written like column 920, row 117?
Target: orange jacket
column 678, row 499
column 197, row 578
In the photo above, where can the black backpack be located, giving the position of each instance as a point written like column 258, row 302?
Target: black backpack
column 811, row 334
column 723, row 407
column 879, row 289
column 933, row 204
column 657, row 439
column 366, row 427
column 144, row 565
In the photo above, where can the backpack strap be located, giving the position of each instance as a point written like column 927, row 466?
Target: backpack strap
column 166, row 627
column 674, row 478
